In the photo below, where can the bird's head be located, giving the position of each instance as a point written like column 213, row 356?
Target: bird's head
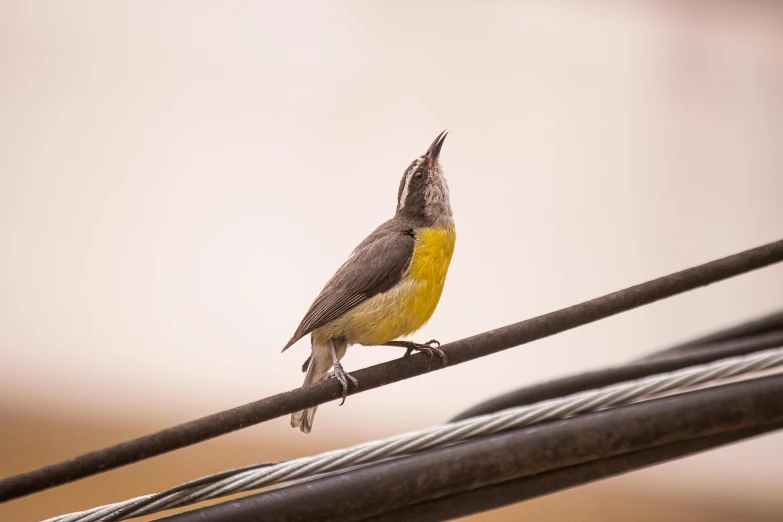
column 424, row 193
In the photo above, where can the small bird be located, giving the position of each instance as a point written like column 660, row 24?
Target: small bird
column 391, row 283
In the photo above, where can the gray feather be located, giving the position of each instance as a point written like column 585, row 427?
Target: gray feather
column 375, row 266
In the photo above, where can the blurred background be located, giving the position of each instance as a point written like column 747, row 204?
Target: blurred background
column 179, row 179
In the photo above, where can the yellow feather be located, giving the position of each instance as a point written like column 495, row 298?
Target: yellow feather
column 408, row 305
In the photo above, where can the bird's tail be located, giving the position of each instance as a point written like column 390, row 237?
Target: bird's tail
column 320, row 362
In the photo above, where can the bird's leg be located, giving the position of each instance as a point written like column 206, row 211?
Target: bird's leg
column 430, row 348
column 339, row 373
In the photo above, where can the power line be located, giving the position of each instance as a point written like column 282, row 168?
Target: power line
column 760, row 325
column 504, row 493
column 438, row 436
column 379, row 375
column 377, row 491
column 635, row 370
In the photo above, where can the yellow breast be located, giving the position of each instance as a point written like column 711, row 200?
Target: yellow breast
column 408, row 305
column 431, row 258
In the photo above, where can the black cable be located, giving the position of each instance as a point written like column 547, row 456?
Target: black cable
column 731, row 345
column 563, row 387
column 635, row 370
column 382, row 374
column 513, row 491
column 398, row 484
column 767, row 323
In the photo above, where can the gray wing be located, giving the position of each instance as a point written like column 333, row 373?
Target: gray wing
column 375, row 266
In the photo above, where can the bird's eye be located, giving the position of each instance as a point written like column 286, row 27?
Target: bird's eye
column 418, row 175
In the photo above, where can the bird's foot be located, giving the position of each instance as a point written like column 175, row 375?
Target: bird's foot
column 342, row 377
column 430, row 348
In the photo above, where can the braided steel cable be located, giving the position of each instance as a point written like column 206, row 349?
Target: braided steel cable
column 245, row 479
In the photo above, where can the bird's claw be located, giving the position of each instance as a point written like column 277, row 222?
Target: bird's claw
column 342, row 377
column 430, row 348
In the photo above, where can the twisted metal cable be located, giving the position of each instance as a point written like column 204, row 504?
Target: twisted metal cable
column 258, row 476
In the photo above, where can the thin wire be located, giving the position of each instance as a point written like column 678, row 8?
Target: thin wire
column 236, row 481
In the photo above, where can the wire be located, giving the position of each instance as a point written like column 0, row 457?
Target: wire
column 634, row 370
column 379, row 375
column 371, row 492
column 559, row 408
column 496, row 495
column 760, row 325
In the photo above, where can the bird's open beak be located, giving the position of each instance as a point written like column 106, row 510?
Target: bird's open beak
column 434, row 151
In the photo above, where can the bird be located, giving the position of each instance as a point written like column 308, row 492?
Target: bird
column 390, row 285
